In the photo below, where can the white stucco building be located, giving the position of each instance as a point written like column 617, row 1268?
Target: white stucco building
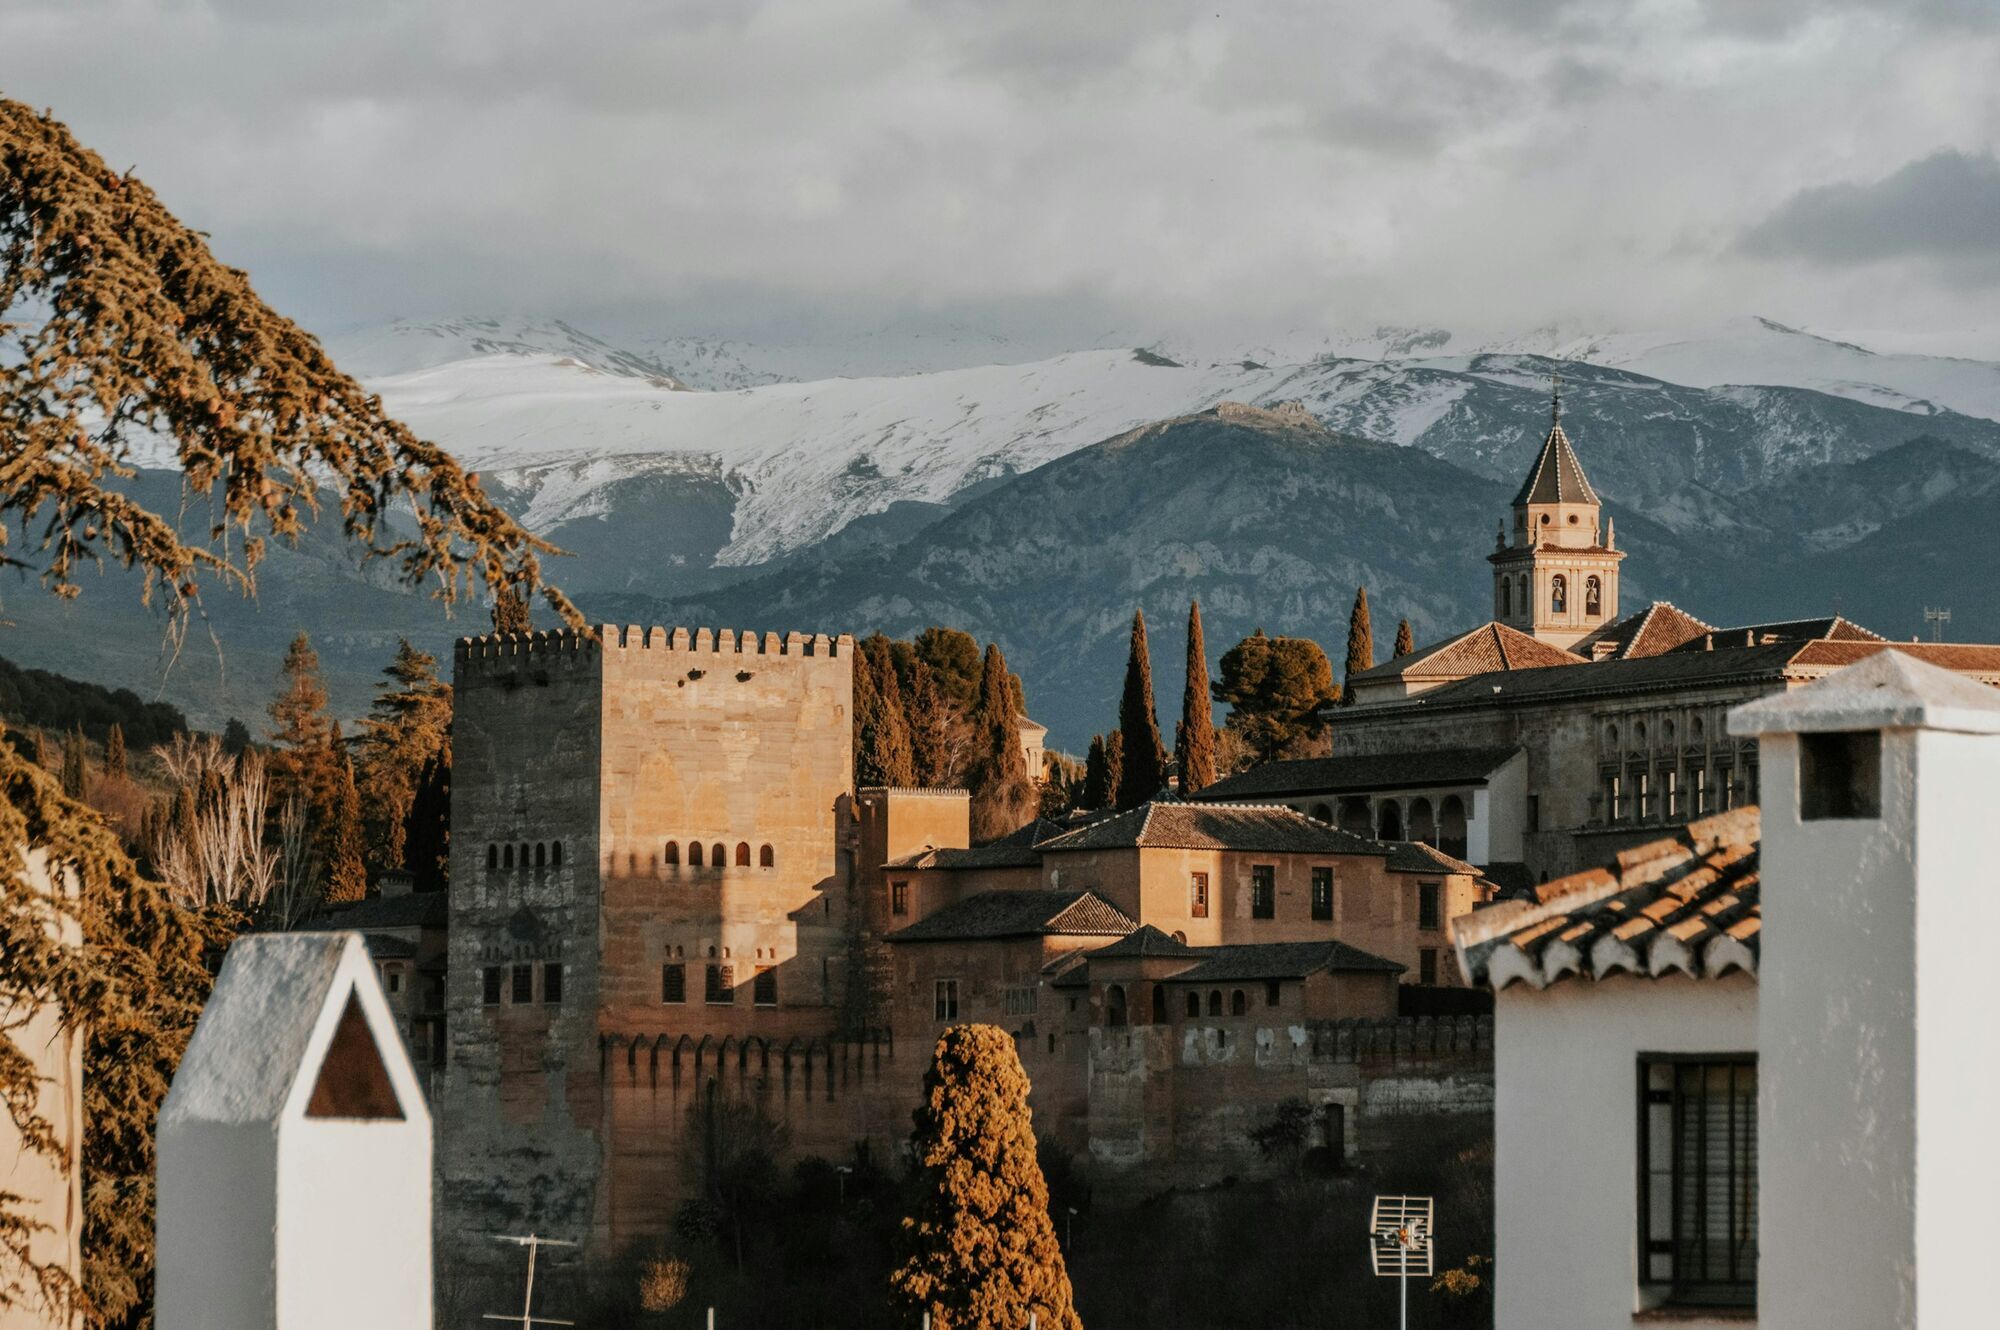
column 295, row 1151
column 1695, row 1125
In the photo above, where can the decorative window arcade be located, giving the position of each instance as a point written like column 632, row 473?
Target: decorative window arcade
column 1698, row 1179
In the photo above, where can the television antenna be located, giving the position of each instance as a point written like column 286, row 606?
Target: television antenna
column 527, row 1319
column 1937, row 619
column 1400, row 1235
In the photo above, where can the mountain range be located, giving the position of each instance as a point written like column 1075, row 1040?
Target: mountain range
column 1753, row 471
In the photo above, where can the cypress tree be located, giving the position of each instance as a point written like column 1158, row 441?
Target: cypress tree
column 931, row 725
column 1096, row 790
column 1360, row 638
column 39, row 748
column 980, row 1253
column 1114, row 767
column 340, row 828
column 1406, row 641
column 1195, row 743
column 1145, row 759
column 882, row 754
column 75, row 768
column 114, row 752
column 235, row 737
column 427, row 828
column 1003, row 797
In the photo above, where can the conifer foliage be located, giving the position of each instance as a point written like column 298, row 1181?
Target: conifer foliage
column 882, row 754
column 1406, row 641
column 1144, row 768
column 980, row 1252
column 75, row 765
column 1360, row 640
column 341, row 838
column 114, row 752
column 1195, row 740
column 406, row 730
column 1003, row 797
column 1277, row 689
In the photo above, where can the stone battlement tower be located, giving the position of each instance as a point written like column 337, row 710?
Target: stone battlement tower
column 1557, row 577
column 647, row 831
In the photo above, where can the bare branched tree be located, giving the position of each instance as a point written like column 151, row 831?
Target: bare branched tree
column 218, row 856
column 297, row 887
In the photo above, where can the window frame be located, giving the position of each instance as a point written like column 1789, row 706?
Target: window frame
column 552, row 983
column 899, row 897
column 1322, row 904
column 1675, row 1290
column 1197, row 895
column 1430, row 906
column 764, row 986
column 944, row 999
column 678, row 988
column 718, row 985
column 521, row 985
column 492, row 985
column 1263, row 891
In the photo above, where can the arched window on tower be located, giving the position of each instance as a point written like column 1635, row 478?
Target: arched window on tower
column 1593, row 597
column 766, row 858
column 507, row 857
column 1558, row 594
column 718, row 856
column 1521, row 590
column 492, row 857
column 555, row 854
column 1506, row 597
column 672, row 857
column 1193, row 1003
column 541, row 854
column 743, row 854
column 694, row 854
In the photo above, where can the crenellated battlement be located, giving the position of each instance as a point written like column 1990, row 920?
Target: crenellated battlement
column 511, row 649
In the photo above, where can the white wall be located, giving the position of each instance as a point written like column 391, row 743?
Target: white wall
column 218, row 1269
column 360, row 1188
column 1566, row 1112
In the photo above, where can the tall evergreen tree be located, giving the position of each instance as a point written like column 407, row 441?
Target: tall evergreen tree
column 427, row 828
column 341, row 835
column 1406, row 641
column 1145, row 758
column 235, row 736
column 1003, row 795
column 299, row 730
column 1360, row 638
column 38, row 748
column 882, row 753
column 407, row 726
column 933, row 730
column 1096, row 789
column 1195, row 742
column 75, row 766
column 114, row 752
column 980, row 1253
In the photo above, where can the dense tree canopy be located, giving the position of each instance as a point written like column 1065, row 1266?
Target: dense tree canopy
column 1003, row 794
column 1277, row 689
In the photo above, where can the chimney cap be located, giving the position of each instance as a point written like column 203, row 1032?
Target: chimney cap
column 1889, row 690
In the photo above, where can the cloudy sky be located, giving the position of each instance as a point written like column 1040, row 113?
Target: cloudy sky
column 807, row 169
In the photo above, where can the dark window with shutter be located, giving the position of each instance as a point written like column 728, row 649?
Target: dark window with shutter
column 490, row 993
column 1698, row 1180
column 552, row 981
column 1263, row 891
column 721, row 985
column 764, row 988
column 899, row 898
column 1427, row 905
column 524, row 983
column 1427, row 965
column 947, row 1000
column 1322, row 893
column 673, row 983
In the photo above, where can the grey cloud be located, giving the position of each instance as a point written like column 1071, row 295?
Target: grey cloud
column 1944, row 208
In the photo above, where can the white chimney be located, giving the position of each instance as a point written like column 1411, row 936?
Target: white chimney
column 1877, row 1069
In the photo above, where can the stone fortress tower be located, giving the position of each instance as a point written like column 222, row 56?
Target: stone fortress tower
column 649, row 832
column 1557, row 578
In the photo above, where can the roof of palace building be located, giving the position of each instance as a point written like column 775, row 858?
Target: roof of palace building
column 1689, row 902
column 1557, row 476
column 1336, row 775
column 1272, row 828
column 1238, row 962
column 1004, row 914
column 410, row 909
column 1145, row 941
column 1490, row 646
column 1412, row 856
column 1014, row 850
column 1657, row 629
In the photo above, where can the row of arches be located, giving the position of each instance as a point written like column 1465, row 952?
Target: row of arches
column 1440, row 826
column 1117, row 1009
column 717, row 855
column 1593, row 595
column 538, row 854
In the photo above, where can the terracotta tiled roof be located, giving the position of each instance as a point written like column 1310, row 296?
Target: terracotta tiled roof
column 1000, row 914
column 1688, row 902
column 1211, row 826
column 1557, row 476
column 1014, row 850
column 1966, row 658
column 1279, row 960
column 1491, row 646
column 1146, row 940
column 1335, row 775
column 1416, row 857
column 1660, row 627
column 416, row 909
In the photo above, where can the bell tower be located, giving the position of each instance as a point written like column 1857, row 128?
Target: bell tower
column 1557, row 576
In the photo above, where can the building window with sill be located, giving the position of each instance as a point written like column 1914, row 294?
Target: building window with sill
column 899, row 898
column 1429, row 915
column 1198, row 895
column 764, row 987
column 1698, row 1181
column 1263, row 891
column 552, row 982
column 673, row 984
column 489, row 993
column 524, row 984
column 1427, row 966
column 946, row 1004
column 1322, row 888
column 721, row 986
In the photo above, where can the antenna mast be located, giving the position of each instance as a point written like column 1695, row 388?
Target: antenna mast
column 527, row 1319
column 1937, row 619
